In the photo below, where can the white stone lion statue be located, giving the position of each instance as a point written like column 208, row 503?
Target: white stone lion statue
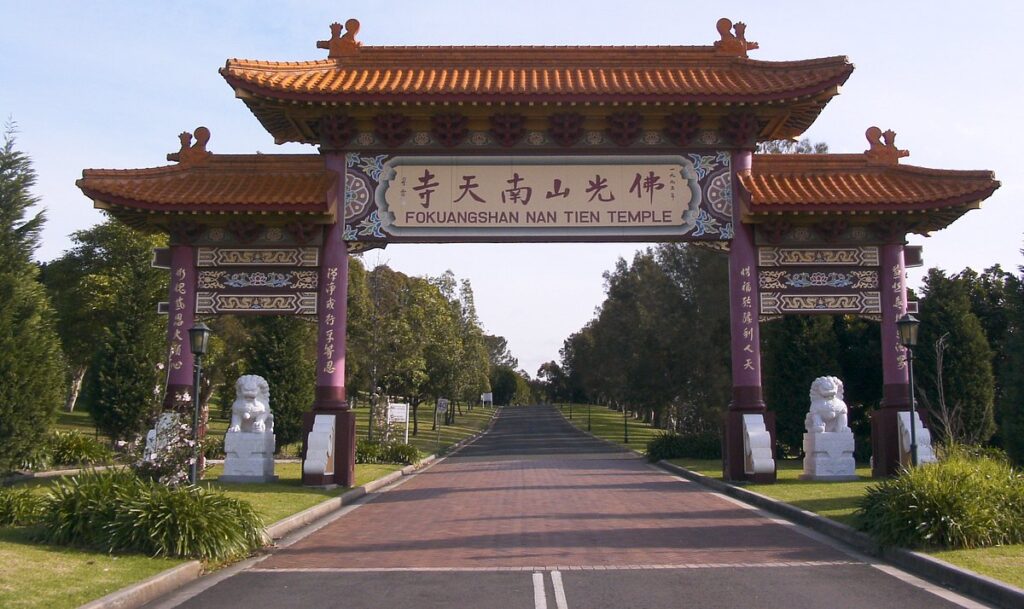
column 251, row 410
column 828, row 410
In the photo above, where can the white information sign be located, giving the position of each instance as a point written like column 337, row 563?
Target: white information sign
column 399, row 413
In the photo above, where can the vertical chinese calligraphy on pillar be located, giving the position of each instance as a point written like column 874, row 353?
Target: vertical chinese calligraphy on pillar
column 181, row 317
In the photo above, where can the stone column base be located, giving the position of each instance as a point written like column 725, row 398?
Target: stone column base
column 344, row 448
column 732, row 446
column 249, row 457
column 829, row 456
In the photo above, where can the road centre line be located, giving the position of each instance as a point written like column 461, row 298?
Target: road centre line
column 556, row 580
column 540, row 599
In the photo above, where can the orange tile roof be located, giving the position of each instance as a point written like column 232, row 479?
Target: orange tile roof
column 255, row 183
column 284, row 96
column 508, row 74
column 846, row 183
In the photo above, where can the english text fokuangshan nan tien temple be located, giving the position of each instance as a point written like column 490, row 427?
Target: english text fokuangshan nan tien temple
column 541, row 144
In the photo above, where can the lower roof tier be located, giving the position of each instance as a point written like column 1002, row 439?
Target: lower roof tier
column 285, row 188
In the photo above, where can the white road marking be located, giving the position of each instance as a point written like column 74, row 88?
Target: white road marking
column 556, row 579
column 540, row 599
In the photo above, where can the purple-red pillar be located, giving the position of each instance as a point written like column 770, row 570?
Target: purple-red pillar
column 181, row 317
column 332, row 317
column 895, row 389
column 744, row 305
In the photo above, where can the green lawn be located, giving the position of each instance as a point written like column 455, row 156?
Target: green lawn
column 29, row 570
column 609, row 424
column 37, row 576
column 287, row 496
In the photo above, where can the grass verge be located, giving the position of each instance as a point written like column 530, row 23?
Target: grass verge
column 609, row 425
column 838, row 501
column 29, row 569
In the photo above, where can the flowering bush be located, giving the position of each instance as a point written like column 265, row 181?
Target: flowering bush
column 166, row 453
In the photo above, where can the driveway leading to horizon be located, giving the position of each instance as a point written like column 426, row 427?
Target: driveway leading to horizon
column 536, row 514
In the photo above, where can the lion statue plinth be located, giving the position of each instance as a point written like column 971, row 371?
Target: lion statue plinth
column 251, row 410
column 828, row 411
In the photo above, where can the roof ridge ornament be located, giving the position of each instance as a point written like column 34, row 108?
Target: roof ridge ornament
column 883, row 149
column 192, row 153
column 733, row 44
column 341, row 45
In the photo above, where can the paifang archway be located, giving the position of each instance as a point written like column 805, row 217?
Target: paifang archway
column 518, row 144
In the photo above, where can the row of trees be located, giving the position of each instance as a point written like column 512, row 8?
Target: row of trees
column 83, row 331
column 659, row 347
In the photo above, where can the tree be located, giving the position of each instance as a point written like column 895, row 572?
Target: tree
column 31, row 366
column 953, row 370
column 1011, row 406
column 118, row 290
column 795, row 351
column 283, row 351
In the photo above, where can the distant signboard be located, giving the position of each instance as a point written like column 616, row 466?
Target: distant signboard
column 398, row 413
column 442, row 405
column 487, row 398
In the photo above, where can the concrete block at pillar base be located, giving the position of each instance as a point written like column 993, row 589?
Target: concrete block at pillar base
column 758, row 456
column 734, row 454
column 829, row 456
column 344, row 455
column 925, row 454
column 320, row 447
column 249, row 457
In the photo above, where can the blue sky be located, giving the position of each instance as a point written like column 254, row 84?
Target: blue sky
column 111, row 84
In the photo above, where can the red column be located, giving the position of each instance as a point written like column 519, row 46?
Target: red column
column 744, row 305
column 181, row 317
column 895, row 389
column 332, row 309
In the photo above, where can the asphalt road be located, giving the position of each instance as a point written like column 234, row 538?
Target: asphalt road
column 536, row 514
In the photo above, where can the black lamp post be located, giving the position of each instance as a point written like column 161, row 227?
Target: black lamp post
column 588, row 415
column 907, row 326
column 199, row 341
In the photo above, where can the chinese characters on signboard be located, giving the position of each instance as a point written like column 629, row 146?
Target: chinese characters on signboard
column 530, row 194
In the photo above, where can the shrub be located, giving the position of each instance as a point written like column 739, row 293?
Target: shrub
column 213, row 446
column 391, row 452
column 122, row 512
column 19, row 507
column 73, row 448
column 961, row 502
column 671, row 445
column 402, row 453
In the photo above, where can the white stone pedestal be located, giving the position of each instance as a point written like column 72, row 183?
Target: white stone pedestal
column 828, row 455
column 249, row 457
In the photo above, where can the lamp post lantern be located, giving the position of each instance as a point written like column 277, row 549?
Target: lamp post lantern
column 907, row 326
column 199, row 341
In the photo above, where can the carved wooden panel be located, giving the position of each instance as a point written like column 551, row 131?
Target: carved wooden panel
column 861, row 303
column 817, row 256
column 301, row 303
column 241, row 256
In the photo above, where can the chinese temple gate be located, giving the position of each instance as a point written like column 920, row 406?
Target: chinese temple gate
column 520, row 144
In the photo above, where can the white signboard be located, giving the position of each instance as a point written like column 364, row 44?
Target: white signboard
column 658, row 195
column 442, row 405
column 487, row 398
column 398, row 413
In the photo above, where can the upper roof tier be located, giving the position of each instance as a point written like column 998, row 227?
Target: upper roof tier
column 289, row 97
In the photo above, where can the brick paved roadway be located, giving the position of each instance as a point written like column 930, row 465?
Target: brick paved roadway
column 535, row 492
column 537, row 514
